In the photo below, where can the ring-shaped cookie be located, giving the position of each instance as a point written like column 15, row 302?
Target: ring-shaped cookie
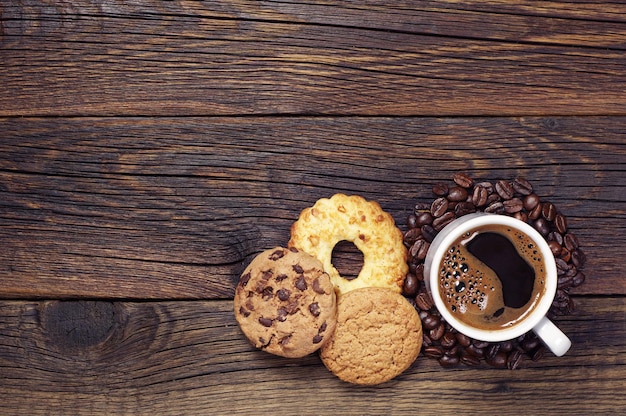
column 364, row 223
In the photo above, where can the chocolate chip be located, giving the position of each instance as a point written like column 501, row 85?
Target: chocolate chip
column 314, row 308
column 317, row 339
column 297, row 268
column 278, row 254
column 282, row 314
column 301, row 283
column 283, row 294
column 267, row 322
column 268, row 293
column 243, row 311
column 285, row 340
column 281, row 277
column 317, row 287
column 322, row 328
column 244, row 279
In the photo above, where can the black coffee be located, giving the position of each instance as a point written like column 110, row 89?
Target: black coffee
column 492, row 277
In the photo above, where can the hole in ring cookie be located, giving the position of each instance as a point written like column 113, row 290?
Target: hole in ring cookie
column 347, row 259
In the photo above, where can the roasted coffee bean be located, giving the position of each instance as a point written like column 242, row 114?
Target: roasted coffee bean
column 426, row 341
column 548, row 211
column 480, row 344
column 419, row 249
column 505, row 189
column 463, row 339
column 463, row 180
column 475, row 351
column 513, row 205
column 565, row 254
column 555, row 247
column 564, row 281
column 428, row 232
column 522, row 186
column 506, row 346
column 424, row 301
column 424, row 218
column 579, row 279
column 570, row 241
column 555, row 236
column 457, row 194
column 499, row 360
column 487, row 185
column 521, row 215
column 411, row 236
column 560, row 223
column 448, row 340
column 464, row 208
column 449, row 360
column 530, row 344
column 561, row 265
column 454, row 350
column 493, row 198
column 470, row 360
column 420, row 207
column 538, row 353
column 431, row 321
column 514, row 360
column 411, row 221
column 542, row 226
column 411, row 285
column 571, row 270
column 439, row 207
column 419, row 272
column 433, row 351
column 440, row 189
column 479, row 196
column 492, row 350
column 496, row 207
column 530, row 201
column 578, row 258
column 440, row 222
column 535, row 213
column 437, row 332
column 571, row 306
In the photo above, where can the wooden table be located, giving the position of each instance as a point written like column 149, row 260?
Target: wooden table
column 148, row 151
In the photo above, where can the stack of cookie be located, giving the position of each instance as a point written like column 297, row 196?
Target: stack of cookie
column 292, row 301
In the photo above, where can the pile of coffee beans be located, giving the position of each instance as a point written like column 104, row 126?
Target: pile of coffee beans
column 515, row 198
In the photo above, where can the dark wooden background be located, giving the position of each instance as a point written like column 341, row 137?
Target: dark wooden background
column 148, row 150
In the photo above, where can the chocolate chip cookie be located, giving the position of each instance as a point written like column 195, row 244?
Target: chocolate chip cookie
column 378, row 336
column 285, row 303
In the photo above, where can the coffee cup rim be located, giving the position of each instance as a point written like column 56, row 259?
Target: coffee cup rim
column 466, row 223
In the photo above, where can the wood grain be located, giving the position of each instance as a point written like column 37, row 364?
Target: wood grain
column 335, row 58
column 175, row 208
column 190, row 357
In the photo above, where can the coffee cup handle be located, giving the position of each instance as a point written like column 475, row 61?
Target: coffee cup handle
column 552, row 336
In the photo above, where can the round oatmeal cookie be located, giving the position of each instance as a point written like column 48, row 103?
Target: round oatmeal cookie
column 378, row 336
column 285, row 303
column 373, row 231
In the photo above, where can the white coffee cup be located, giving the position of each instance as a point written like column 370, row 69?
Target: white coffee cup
column 536, row 320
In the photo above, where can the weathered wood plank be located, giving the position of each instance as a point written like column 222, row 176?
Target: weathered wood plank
column 241, row 57
column 190, row 357
column 175, row 208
